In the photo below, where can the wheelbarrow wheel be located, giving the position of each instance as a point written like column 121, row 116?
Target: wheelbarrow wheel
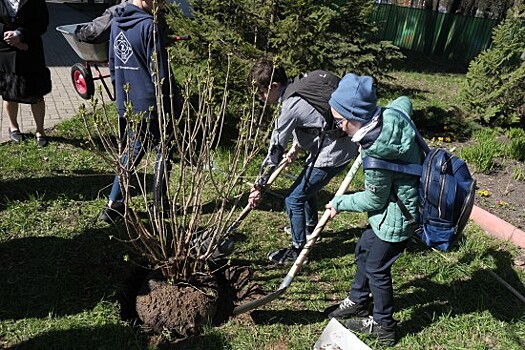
column 82, row 81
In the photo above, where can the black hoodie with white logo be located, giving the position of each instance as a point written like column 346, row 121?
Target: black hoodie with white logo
column 132, row 47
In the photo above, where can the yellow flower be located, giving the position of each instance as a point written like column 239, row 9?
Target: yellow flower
column 440, row 139
column 483, row 193
column 448, row 139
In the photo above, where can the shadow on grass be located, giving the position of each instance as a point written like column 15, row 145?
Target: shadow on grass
column 393, row 91
column 86, row 338
column 335, row 244
column 77, row 187
column 419, row 62
column 78, row 142
column 49, row 275
column 202, row 342
column 437, row 122
column 287, row 317
column 479, row 292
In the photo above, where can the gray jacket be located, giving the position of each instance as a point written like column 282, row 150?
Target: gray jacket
column 298, row 119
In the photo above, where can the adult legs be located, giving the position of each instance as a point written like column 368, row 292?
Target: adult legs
column 38, row 109
column 39, row 112
column 11, row 109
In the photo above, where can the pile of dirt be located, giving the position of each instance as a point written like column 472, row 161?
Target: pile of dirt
column 185, row 309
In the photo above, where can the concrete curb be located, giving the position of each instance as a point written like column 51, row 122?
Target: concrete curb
column 497, row 227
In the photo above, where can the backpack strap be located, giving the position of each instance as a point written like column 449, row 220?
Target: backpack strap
column 412, row 222
column 370, row 162
column 312, row 165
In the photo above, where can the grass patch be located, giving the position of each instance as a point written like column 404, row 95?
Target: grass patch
column 63, row 274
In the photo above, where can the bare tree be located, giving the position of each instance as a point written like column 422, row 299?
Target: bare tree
column 180, row 237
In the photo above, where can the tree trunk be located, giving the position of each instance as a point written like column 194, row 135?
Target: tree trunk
column 469, row 9
column 453, row 6
column 430, row 23
column 445, row 29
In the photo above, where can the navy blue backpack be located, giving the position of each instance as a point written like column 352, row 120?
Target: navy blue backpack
column 446, row 193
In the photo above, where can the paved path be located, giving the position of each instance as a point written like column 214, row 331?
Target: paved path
column 63, row 101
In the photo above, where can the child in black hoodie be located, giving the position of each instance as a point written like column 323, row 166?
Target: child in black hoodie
column 137, row 75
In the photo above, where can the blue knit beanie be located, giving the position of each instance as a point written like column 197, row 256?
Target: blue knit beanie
column 355, row 98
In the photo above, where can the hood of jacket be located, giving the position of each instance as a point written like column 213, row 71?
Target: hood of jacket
column 397, row 136
column 130, row 15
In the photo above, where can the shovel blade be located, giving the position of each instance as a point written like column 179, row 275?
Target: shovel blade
column 336, row 337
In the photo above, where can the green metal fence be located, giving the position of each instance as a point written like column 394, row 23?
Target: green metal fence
column 456, row 37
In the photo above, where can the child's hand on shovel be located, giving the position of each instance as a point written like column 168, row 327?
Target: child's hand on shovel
column 254, row 198
column 291, row 155
column 329, row 206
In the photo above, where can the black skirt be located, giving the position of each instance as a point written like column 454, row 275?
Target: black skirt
column 27, row 88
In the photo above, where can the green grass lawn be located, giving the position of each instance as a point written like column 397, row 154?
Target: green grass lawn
column 64, row 276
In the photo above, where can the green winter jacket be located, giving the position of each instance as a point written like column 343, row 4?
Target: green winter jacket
column 396, row 141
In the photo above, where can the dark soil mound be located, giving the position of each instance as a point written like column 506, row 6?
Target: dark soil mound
column 182, row 309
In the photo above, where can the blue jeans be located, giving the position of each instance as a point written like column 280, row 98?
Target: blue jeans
column 301, row 202
column 374, row 258
column 149, row 134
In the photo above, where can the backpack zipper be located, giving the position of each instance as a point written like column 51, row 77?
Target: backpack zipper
column 427, row 175
column 443, row 181
column 464, row 207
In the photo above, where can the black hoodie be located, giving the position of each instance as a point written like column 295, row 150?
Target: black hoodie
column 131, row 48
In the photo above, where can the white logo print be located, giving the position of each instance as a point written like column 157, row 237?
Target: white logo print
column 122, row 48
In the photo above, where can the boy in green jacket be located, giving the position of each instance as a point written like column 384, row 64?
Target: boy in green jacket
column 384, row 134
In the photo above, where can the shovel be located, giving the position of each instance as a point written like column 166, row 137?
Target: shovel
column 225, row 243
column 306, row 249
column 247, row 209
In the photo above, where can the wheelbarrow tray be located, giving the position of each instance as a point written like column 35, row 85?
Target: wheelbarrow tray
column 86, row 51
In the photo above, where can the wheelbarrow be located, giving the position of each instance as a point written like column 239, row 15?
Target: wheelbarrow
column 94, row 56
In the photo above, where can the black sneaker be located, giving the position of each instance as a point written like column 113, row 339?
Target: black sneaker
column 41, row 140
column 285, row 256
column 112, row 214
column 348, row 308
column 16, row 135
column 387, row 336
